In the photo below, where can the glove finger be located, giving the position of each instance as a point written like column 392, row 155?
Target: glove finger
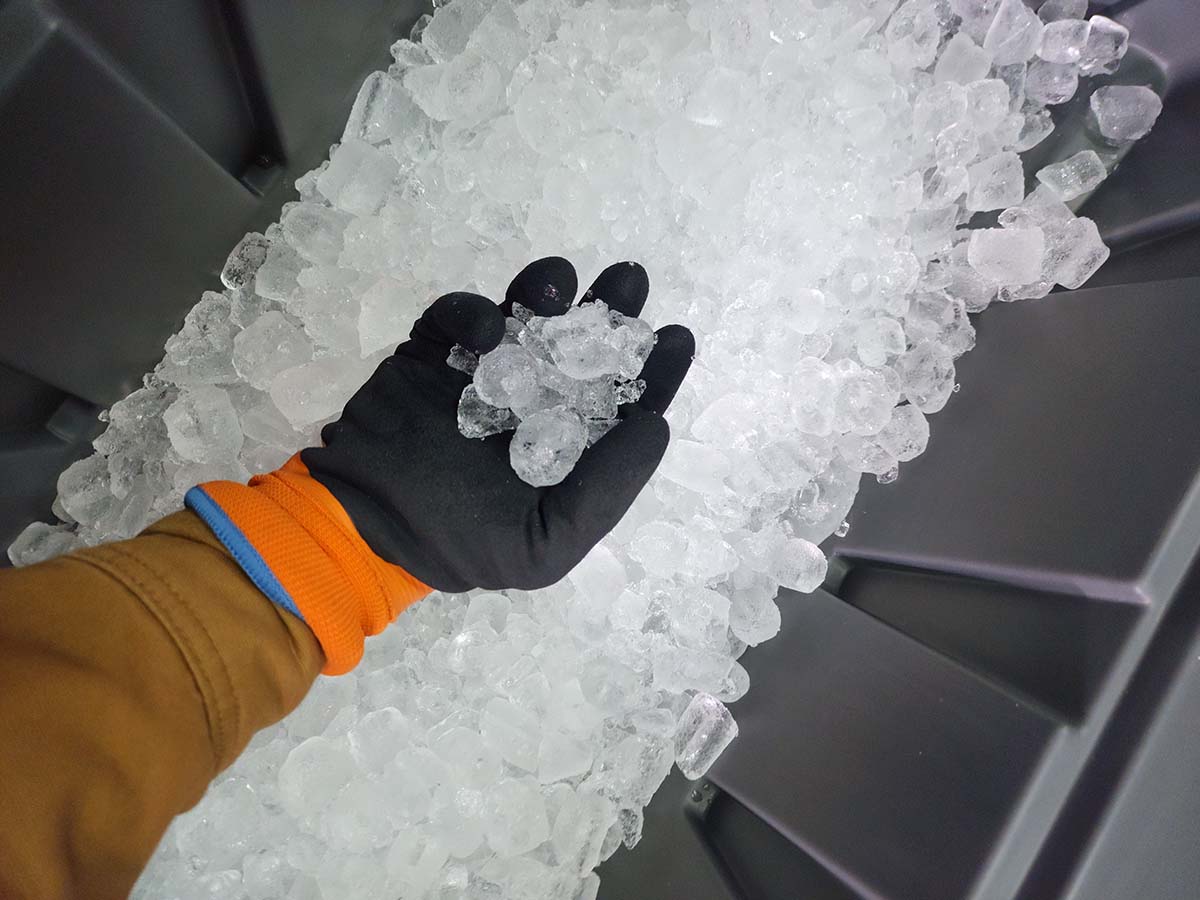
column 624, row 286
column 666, row 367
column 547, row 286
column 459, row 318
column 577, row 513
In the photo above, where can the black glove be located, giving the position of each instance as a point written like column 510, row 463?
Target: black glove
column 449, row 509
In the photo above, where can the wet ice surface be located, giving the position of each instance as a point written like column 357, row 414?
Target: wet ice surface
column 798, row 178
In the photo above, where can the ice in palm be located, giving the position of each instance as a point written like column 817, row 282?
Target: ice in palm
column 558, row 381
column 798, row 178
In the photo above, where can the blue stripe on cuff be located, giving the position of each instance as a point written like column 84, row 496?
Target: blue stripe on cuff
column 243, row 551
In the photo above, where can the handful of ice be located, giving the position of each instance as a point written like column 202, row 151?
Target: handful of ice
column 558, row 381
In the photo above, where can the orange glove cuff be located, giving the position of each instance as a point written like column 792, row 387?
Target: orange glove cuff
column 294, row 540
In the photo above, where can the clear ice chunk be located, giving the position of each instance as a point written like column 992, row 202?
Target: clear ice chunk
column 246, row 258
column 1007, row 255
column 1125, row 113
column 40, row 541
column 1063, row 40
column 546, row 446
column 1057, row 10
column 203, row 426
column 996, row 182
column 1106, row 45
column 267, row 347
column 1014, row 35
column 1051, row 83
column 705, row 729
column 962, row 60
column 1074, row 176
column 477, row 419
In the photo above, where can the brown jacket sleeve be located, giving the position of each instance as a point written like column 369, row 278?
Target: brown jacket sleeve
column 130, row 675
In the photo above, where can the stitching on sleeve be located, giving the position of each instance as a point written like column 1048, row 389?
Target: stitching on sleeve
column 194, row 660
column 225, row 733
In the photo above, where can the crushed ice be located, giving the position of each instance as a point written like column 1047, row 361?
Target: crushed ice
column 798, row 178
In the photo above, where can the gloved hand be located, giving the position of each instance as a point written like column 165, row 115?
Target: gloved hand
column 398, row 502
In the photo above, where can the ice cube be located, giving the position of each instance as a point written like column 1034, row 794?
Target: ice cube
column 477, row 419
column 679, row 669
column 878, row 339
column 244, row 261
column 546, row 446
column 276, row 277
column 1125, row 112
column 802, row 309
column 470, row 89
column 976, row 15
column 1038, row 126
column 316, row 390
column 1105, row 48
column 462, row 359
column 988, row 102
column 579, row 344
column 705, row 729
column 659, row 547
column 447, row 33
column 382, row 110
column 269, row 346
column 1007, row 255
column 696, row 466
column 455, row 819
column 378, row 737
column 506, row 377
column 599, row 576
column 1080, row 251
column 313, row 775
column 561, row 756
column 413, row 862
column 1074, row 176
column 515, row 817
column 913, row 33
column 799, row 565
column 1057, row 10
column 996, row 182
column 314, row 231
column 906, row 434
column 514, row 732
column 813, row 390
column 1014, row 35
column 1051, row 83
column 937, row 107
column 589, row 888
column 203, row 425
column 930, row 230
column 962, row 60
column 358, row 178
column 201, row 352
column 388, row 309
column 864, row 399
column 1063, row 41
column 928, row 373
column 716, row 100
column 40, row 541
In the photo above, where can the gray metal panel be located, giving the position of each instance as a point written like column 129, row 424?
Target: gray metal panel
column 1052, row 468
column 107, row 210
column 1052, row 650
column 671, row 860
column 888, row 763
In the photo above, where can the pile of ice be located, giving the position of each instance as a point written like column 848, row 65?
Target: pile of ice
column 798, row 177
column 559, row 381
